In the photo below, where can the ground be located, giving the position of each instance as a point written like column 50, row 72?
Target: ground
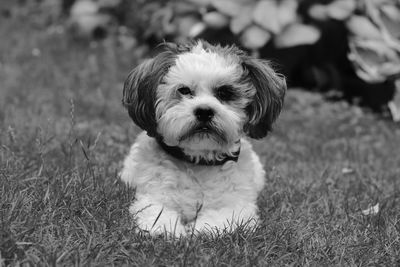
column 63, row 135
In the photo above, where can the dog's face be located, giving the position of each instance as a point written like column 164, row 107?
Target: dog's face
column 202, row 97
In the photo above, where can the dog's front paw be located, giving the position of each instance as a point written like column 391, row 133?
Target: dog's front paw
column 159, row 229
column 166, row 230
column 225, row 221
column 157, row 220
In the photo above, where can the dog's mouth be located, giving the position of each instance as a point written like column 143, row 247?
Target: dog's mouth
column 204, row 131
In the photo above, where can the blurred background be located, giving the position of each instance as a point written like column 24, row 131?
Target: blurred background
column 345, row 49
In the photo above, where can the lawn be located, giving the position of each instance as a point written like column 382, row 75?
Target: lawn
column 64, row 133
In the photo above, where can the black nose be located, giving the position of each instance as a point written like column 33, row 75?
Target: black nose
column 204, row 114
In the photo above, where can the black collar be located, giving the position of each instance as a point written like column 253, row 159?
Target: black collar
column 178, row 153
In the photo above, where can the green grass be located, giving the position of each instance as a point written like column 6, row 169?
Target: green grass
column 64, row 133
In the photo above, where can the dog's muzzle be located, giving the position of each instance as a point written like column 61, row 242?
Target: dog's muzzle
column 205, row 130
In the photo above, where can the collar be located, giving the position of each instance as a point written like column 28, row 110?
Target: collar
column 178, row 153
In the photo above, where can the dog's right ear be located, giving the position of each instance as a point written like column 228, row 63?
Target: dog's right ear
column 268, row 100
column 140, row 89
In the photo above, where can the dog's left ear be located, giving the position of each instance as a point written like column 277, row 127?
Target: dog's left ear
column 268, row 100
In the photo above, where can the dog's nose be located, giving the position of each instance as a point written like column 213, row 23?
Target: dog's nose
column 204, row 114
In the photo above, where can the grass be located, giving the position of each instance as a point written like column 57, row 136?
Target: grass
column 64, row 134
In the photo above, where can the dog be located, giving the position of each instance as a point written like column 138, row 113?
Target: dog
column 192, row 167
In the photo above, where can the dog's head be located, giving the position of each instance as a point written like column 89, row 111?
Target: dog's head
column 204, row 97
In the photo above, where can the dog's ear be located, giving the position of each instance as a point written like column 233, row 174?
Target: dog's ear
column 268, row 100
column 140, row 89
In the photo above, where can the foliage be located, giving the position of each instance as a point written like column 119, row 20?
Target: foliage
column 375, row 50
column 289, row 23
column 322, row 45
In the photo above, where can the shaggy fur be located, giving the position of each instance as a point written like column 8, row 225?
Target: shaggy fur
column 201, row 100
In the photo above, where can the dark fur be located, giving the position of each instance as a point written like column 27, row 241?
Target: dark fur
column 140, row 88
column 268, row 101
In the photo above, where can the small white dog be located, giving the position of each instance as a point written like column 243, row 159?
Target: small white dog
column 193, row 170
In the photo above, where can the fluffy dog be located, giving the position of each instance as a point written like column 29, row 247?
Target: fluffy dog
column 192, row 168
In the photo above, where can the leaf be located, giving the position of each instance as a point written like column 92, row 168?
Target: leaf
column 109, row 3
column 287, row 12
column 84, row 25
column 383, row 15
column 361, row 26
column 394, row 109
column 81, row 8
column 338, row 9
column 374, row 60
column 371, row 210
column 394, row 104
column 391, row 12
column 184, row 7
column 347, row 170
column 254, row 37
column 297, row 34
column 318, row 12
column 197, row 29
column 390, row 16
column 266, row 15
column 185, row 24
column 202, row 3
column 229, row 7
column 162, row 22
column 242, row 20
column 341, row 9
column 215, row 20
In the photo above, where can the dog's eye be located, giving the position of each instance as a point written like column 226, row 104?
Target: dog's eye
column 225, row 93
column 184, row 90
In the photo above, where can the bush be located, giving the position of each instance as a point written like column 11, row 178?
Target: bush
column 351, row 46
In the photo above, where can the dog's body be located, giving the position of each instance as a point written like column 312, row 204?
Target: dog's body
column 194, row 170
column 191, row 195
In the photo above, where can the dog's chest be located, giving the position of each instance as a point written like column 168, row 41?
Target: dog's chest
column 210, row 179
column 185, row 187
column 206, row 184
column 202, row 187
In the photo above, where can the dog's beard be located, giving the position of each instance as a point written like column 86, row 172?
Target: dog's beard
column 205, row 137
column 192, row 135
column 178, row 127
column 204, row 131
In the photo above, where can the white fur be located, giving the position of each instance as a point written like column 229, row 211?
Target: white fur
column 202, row 71
column 175, row 190
column 179, row 197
